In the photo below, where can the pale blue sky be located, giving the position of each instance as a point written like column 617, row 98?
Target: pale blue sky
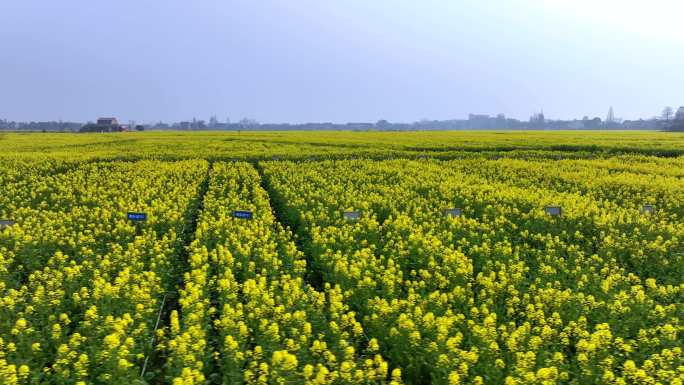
column 344, row 60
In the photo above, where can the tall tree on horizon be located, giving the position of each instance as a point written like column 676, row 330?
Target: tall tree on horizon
column 611, row 116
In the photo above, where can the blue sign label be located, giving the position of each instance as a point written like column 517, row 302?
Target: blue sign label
column 647, row 209
column 452, row 213
column 243, row 214
column 553, row 210
column 137, row 216
column 352, row 215
column 5, row 223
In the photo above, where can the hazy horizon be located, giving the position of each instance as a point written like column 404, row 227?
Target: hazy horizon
column 309, row 61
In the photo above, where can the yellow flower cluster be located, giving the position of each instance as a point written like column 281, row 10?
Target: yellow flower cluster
column 247, row 311
column 304, row 145
column 82, row 285
column 503, row 293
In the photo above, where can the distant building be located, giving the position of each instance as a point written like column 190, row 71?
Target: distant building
column 360, row 126
column 107, row 122
column 481, row 121
column 642, row 124
column 592, row 124
column 575, row 125
column 104, row 125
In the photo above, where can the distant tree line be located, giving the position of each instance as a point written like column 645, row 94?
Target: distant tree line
column 674, row 121
column 474, row 122
column 59, row 126
column 669, row 119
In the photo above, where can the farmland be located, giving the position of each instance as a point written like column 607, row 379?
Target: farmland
column 342, row 258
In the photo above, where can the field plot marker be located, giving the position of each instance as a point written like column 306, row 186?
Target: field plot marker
column 648, row 209
column 5, row 223
column 154, row 336
column 352, row 215
column 243, row 214
column 554, row 211
column 136, row 217
column 452, row 213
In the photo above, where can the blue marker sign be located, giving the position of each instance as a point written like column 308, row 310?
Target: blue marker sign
column 452, row 213
column 137, row 216
column 647, row 209
column 5, row 223
column 352, row 215
column 554, row 211
column 243, row 214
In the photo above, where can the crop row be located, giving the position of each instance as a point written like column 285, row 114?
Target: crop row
column 503, row 293
column 247, row 314
column 81, row 285
column 629, row 182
